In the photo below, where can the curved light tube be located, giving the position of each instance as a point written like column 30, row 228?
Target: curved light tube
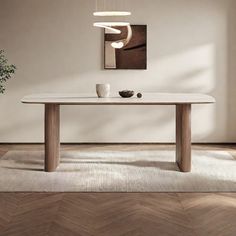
column 109, row 25
column 112, row 13
column 114, row 31
column 123, row 42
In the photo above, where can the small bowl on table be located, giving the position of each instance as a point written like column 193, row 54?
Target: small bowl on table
column 126, row 93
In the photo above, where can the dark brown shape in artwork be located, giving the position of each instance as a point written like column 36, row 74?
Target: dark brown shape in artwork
column 134, row 54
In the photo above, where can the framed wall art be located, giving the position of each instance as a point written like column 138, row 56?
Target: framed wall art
column 127, row 49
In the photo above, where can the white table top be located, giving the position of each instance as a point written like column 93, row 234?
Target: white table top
column 92, row 99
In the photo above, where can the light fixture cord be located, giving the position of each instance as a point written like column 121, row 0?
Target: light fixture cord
column 111, row 5
column 96, row 5
column 104, row 5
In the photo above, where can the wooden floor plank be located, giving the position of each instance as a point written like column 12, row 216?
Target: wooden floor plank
column 118, row 214
column 211, row 214
column 34, row 214
column 8, row 206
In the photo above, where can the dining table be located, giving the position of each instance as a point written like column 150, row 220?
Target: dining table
column 182, row 101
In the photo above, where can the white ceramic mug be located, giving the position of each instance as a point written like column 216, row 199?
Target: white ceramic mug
column 103, row 90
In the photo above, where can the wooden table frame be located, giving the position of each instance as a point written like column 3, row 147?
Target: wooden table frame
column 52, row 105
column 52, row 137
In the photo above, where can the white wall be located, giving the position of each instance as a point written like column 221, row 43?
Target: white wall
column 191, row 48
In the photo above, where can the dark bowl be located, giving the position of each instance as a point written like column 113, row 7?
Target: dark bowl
column 126, row 93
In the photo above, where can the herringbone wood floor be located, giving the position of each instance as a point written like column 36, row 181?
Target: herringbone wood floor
column 117, row 214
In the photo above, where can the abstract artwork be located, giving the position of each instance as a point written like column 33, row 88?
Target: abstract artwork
column 127, row 49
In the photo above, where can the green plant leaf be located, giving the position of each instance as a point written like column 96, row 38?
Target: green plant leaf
column 6, row 70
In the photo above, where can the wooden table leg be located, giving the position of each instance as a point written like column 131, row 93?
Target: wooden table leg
column 183, row 137
column 52, row 137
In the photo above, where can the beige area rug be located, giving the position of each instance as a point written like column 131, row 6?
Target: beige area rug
column 118, row 171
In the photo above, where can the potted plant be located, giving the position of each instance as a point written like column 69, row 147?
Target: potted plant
column 6, row 70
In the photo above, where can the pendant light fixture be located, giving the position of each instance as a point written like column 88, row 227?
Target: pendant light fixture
column 112, row 8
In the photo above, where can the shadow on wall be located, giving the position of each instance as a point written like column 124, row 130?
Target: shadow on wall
column 192, row 71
